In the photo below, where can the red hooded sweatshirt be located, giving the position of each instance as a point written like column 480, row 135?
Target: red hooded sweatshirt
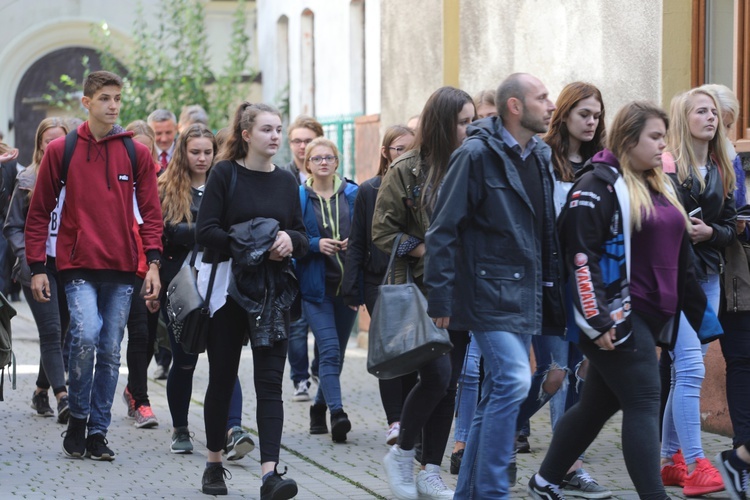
column 95, row 240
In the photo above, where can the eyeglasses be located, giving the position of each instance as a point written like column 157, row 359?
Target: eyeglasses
column 397, row 149
column 319, row 159
column 297, row 142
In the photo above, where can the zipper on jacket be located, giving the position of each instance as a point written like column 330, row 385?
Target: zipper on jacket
column 734, row 294
column 262, row 308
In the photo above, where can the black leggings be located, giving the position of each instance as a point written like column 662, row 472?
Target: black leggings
column 138, row 352
column 627, row 380
column 430, row 404
column 224, row 347
column 393, row 391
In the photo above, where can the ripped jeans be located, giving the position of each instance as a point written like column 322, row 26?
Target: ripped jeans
column 552, row 352
column 98, row 314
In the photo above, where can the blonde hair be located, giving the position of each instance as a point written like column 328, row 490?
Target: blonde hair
column 140, row 127
column 680, row 142
column 624, row 135
column 320, row 141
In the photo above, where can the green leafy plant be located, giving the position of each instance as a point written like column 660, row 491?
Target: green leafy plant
column 168, row 67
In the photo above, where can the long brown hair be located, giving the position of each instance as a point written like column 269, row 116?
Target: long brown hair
column 235, row 147
column 558, row 136
column 436, row 136
column 391, row 134
column 174, row 184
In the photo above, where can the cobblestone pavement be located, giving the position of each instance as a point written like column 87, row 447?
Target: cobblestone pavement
column 32, row 464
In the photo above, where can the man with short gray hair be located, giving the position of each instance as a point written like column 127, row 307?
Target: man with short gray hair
column 164, row 124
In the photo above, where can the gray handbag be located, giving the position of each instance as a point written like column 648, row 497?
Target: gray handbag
column 402, row 336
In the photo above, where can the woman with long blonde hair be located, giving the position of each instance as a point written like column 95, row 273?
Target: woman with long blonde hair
column 705, row 183
column 625, row 295
column 51, row 317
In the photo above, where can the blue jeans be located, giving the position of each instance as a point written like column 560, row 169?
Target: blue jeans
column 506, row 384
column 468, row 392
column 297, row 354
column 552, row 352
column 98, row 314
column 331, row 322
column 681, row 428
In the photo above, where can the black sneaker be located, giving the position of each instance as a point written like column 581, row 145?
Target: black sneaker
column 318, row 419
column 97, row 449
column 40, row 402
column 522, row 444
column 74, row 444
column 63, row 412
column 278, row 488
column 213, row 480
column 736, row 479
column 549, row 492
column 456, row 458
column 340, row 425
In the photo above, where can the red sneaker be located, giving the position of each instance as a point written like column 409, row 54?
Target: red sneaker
column 704, row 479
column 674, row 474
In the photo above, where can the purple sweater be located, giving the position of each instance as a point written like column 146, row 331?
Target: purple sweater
column 655, row 251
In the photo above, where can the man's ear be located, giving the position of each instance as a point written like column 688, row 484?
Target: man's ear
column 86, row 101
column 515, row 106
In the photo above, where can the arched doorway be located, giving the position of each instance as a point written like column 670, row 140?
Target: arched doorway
column 29, row 106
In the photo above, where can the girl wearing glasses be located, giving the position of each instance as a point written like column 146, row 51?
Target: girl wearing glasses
column 327, row 206
column 364, row 257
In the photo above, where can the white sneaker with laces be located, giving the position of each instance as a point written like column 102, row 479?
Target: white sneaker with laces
column 431, row 486
column 301, row 391
column 391, row 435
column 399, row 469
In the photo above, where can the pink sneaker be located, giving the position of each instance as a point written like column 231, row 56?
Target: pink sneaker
column 129, row 402
column 144, row 417
column 391, row 435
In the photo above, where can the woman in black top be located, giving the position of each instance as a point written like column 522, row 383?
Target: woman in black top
column 245, row 186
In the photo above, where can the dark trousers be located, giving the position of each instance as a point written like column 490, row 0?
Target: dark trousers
column 224, row 347
column 626, row 380
column 429, row 407
column 393, row 391
column 137, row 354
column 735, row 345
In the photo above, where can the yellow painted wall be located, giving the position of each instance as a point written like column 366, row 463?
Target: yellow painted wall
column 676, row 48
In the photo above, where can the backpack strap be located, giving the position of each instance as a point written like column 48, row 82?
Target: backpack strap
column 70, row 145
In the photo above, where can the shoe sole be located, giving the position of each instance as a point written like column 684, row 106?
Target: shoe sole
column 702, row 491
column 149, row 424
column 50, row 413
column 285, row 492
column 392, row 440
column 240, row 449
column 318, row 430
column 181, row 452
column 102, row 458
column 74, row 454
column 300, row 398
column 339, row 431
column 726, row 477
column 586, row 494
column 216, row 492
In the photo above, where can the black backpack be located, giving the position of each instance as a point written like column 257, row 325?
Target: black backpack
column 70, row 145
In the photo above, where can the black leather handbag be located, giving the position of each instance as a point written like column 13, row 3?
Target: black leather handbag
column 188, row 311
column 402, row 336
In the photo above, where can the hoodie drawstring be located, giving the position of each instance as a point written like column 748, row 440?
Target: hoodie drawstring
column 335, row 225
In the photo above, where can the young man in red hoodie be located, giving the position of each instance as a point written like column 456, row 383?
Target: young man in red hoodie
column 97, row 257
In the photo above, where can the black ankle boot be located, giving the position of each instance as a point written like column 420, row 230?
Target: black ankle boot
column 340, row 425
column 318, row 419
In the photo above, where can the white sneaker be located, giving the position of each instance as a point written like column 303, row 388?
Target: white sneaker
column 301, row 391
column 391, row 435
column 430, row 485
column 399, row 469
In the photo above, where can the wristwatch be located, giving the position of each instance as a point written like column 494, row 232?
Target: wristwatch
column 155, row 261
